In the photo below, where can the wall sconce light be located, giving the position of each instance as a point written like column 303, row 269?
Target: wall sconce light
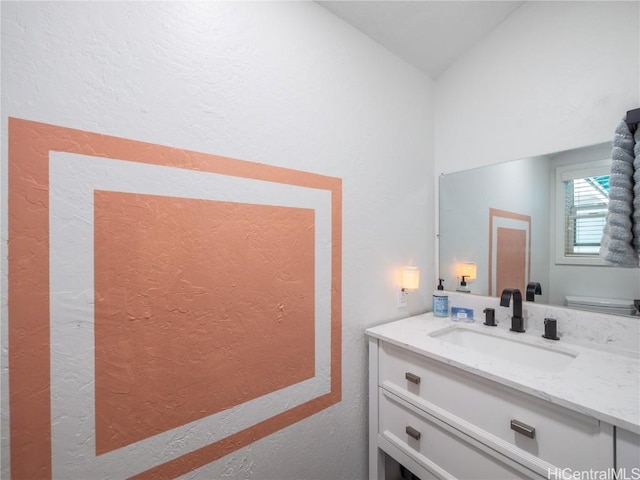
column 467, row 271
column 410, row 282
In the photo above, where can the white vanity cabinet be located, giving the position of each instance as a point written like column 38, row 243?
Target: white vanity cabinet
column 442, row 422
column 628, row 452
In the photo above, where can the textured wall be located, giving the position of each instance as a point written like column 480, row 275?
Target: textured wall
column 552, row 77
column 282, row 84
column 162, row 300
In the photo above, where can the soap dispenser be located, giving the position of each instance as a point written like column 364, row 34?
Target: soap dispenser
column 440, row 301
column 463, row 285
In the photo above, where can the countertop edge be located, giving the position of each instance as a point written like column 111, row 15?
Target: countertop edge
column 508, row 382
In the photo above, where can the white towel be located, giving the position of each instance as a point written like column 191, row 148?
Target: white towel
column 618, row 246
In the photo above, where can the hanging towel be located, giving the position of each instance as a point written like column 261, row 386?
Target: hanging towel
column 636, row 192
column 618, row 245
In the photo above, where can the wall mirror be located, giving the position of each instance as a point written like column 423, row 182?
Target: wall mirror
column 507, row 219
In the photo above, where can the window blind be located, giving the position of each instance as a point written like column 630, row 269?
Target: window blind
column 586, row 203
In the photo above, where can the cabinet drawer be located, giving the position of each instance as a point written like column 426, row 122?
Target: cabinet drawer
column 433, row 446
column 561, row 436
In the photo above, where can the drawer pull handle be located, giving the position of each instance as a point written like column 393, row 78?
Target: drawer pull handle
column 412, row 377
column 412, row 432
column 523, row 428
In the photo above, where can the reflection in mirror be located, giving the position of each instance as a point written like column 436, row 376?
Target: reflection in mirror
column 510, row 219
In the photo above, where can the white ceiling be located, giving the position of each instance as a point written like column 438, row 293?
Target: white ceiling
column 428, row 34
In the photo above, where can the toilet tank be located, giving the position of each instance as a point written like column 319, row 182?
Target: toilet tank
column 615, row 306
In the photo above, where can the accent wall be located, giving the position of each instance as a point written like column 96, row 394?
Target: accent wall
column 204, row 205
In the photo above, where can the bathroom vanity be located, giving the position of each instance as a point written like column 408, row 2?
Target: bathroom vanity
column 463, row 400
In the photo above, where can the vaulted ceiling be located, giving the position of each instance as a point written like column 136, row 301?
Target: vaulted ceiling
column 430, row 35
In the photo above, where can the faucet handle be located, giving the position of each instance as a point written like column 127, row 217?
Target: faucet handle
column 551, row 329
column 490, row 317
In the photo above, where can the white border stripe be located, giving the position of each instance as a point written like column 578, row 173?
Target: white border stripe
column 73, row 179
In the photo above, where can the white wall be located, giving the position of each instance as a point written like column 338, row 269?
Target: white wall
column 552, row 77
column 284, row 84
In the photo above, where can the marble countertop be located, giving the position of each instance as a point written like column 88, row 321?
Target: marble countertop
column 602, row 384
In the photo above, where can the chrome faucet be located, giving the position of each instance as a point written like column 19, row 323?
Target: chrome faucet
column 517, row 322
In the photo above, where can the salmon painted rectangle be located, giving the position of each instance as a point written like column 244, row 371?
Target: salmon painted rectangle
column 511, row 259
column 509, row 250
column 58, row 345
column 199, row 305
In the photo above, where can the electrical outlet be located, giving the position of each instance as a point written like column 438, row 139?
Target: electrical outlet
column 402, row 298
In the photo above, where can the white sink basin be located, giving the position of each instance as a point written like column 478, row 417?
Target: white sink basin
column 505, row 348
